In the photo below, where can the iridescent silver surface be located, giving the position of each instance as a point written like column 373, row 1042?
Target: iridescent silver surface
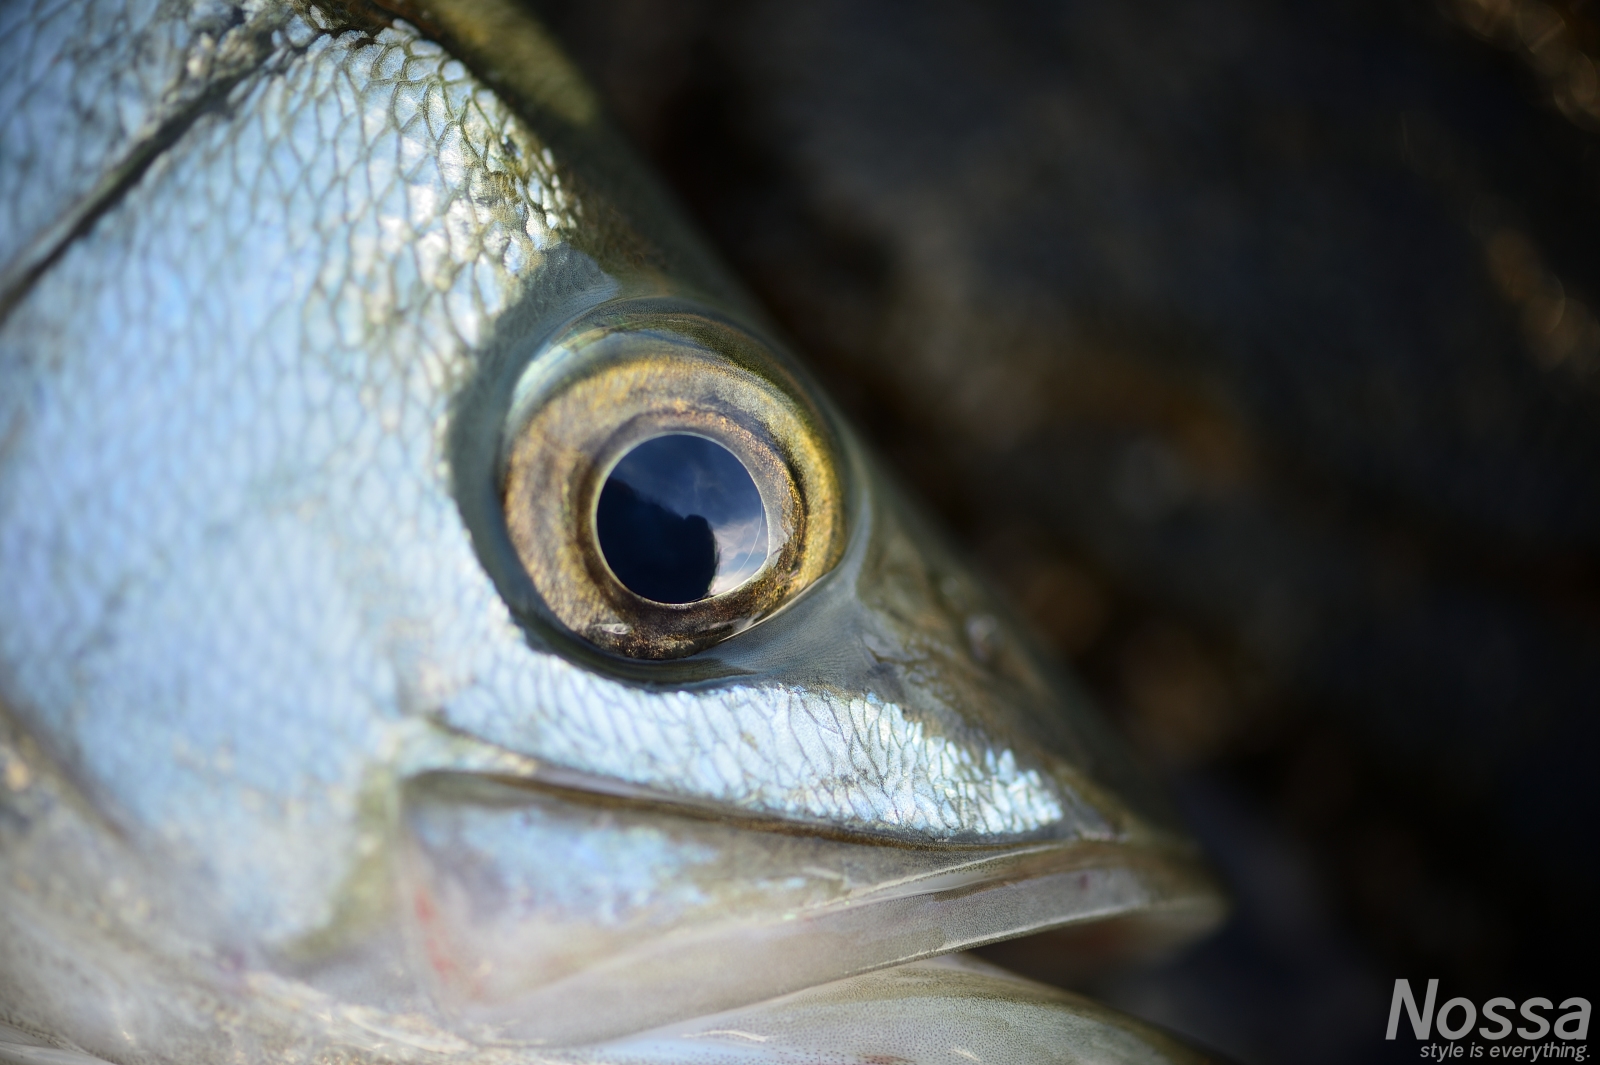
column 289, row 755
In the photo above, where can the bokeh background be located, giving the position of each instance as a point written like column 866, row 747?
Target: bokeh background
column 1251, row 347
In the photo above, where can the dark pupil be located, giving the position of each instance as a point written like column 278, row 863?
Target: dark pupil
column 680, row 519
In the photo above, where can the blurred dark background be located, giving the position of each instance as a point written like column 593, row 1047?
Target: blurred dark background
column 1251, row 346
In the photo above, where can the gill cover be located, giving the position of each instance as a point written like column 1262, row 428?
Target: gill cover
column 432, row 605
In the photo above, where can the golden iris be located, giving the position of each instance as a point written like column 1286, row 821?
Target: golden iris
column 667, row 482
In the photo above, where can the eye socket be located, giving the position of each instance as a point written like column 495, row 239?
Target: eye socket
column 666, row 482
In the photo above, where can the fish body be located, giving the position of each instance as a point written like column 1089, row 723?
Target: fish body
column 330, row 732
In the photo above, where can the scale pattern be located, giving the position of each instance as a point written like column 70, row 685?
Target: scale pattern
column 86, row 84
column 240, row 369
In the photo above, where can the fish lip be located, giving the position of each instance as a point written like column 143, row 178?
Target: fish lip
column 536, row 776
column 590, row 788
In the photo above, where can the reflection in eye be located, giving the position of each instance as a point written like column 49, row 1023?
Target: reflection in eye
column 680, row 518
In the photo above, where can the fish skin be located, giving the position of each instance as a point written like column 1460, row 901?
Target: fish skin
column 240, row 599
column 87, row 90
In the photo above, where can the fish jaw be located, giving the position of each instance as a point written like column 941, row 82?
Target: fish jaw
column 108, row 973
column 561, row 919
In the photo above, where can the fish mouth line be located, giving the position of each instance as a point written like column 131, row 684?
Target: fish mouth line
column 600, row 792
column 474, row 756
column 973, row 864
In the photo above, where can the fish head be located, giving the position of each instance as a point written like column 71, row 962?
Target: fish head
column 429, row 590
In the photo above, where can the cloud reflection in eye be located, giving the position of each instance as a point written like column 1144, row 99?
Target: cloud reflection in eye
column 681, row 519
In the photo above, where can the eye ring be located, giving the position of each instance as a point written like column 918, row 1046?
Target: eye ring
column 619, row 380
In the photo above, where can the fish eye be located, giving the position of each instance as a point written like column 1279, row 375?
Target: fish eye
column 667, row 482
